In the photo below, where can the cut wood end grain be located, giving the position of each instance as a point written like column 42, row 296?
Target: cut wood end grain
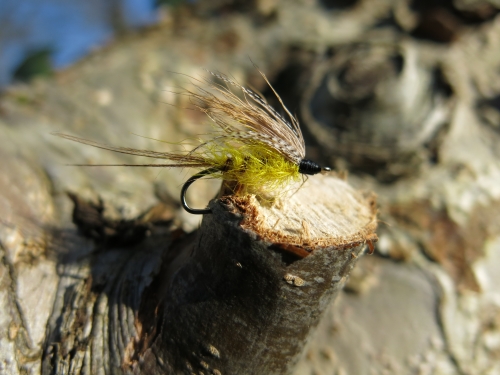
column 325, row 212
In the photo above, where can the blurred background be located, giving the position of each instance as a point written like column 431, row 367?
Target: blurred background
column 404, row 95
column 39, row 37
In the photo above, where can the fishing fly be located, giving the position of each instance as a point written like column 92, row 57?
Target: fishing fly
column 253, row 147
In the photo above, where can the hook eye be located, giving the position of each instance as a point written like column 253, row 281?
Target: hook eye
column 187, row 184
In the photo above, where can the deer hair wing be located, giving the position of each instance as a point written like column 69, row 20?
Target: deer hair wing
column 249, row 118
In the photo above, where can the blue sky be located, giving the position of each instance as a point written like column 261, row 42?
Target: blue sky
column 69, row 28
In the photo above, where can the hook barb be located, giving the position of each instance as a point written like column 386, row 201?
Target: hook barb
column 187, row 184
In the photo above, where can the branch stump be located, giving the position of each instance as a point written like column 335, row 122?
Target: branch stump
column 257, row 279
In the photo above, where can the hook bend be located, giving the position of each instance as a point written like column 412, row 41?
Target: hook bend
column 187, row 184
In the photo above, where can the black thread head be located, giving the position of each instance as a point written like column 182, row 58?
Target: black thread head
column 309, row 167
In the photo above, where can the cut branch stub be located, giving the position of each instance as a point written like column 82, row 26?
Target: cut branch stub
column 257, row 279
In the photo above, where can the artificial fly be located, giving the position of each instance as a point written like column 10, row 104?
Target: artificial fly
column 253, row 147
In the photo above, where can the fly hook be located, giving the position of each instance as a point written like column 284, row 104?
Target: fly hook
column 195, row 211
